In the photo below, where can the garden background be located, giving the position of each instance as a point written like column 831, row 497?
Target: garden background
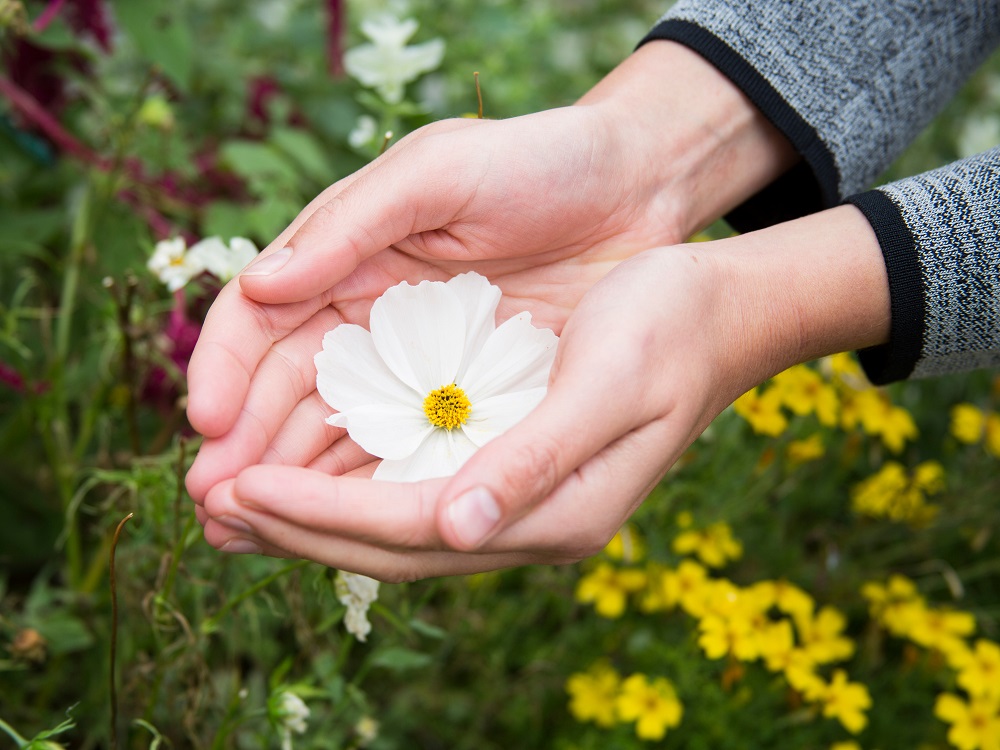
column 821, row 569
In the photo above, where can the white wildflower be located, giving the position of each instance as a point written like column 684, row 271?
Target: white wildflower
column 363, row 132
column 388, row 64
column 367, row 730
column 173, row 264
column 291, row 715
column 436, row 378
column 356, row 592
column 221, row 260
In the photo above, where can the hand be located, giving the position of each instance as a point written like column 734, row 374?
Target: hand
column 652, row 354
column 543, row 205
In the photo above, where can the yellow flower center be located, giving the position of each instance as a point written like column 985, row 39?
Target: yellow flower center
column 447, row 407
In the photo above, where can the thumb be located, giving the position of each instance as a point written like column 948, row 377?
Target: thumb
column 515, row 472
column 418, row 185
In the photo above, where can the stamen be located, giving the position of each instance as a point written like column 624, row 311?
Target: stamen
column 447, row 407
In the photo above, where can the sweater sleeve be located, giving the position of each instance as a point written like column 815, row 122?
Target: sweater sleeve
column 849, row 82
column 940, row 236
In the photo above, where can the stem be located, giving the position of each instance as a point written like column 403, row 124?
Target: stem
column 479, row 96
column 114, row 633
column 21, row 742
column 209, row 625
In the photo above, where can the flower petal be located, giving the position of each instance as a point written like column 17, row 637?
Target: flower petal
column 516, row 357
column 386, row 430
column 493, row 416
column 419, row 331
column 350, row 373
column 479, row 298
column 440, row 455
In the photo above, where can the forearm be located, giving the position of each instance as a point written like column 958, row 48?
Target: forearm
column 801, row 290
column 699, row 146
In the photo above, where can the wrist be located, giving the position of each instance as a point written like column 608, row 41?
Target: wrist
column 802, row 290
column 692, row 141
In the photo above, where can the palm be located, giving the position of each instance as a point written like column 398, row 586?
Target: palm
column 530, row 225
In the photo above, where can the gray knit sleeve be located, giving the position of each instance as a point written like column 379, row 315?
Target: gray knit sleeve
column 940, row 236
column 849, row 82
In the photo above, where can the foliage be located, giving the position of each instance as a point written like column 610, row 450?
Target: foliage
column 825, row 542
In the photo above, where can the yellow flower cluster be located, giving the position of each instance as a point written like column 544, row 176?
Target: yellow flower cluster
column 974, row 719
column 841, row 399
column 774, row 622
column 900, row 496
column 714, row 545
column 601, row 695
column 971, row 425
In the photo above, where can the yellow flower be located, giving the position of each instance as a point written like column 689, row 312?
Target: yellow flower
column 809, row 449
column 691, row 580
column 803, row 391
column 714, row 546
column 941, row 629
column 968, row 422
column 607, row 588
column 722, row 636
column 626, row 546
column 896, row 605
column 653, row 705
column 849, row 745
column 786, row 596
column 993, row 434
column 663, row 589
column 978, row 669
column 822, row 636
column 878, row 417
column 892, row 493
column 593, row 693
column 843, row 700
column 762, row 411
column 780, row 654
column 843, row 365
column 975, row 724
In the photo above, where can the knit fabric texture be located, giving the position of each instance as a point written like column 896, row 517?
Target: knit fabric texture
column 850, row 83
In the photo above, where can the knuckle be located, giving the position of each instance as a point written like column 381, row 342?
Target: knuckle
column 538, row 470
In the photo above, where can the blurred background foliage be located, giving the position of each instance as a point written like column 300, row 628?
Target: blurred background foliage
column 125, row 123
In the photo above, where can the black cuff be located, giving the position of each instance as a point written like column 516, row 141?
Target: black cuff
column 810, row 186
column 896, row 359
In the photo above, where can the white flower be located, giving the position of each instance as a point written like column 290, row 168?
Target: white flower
column 289, row 712
column 292, row 712
column 364, row 131
column 356, row 592
column 387, row 64
column 173, row 264
column 436, row 379
column 221, row 260
column 367, row 731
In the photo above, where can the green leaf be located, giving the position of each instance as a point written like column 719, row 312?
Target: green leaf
column 400, row 659
column 305, row 151
column 428, row 630
column 253, row 160
column 162, row 36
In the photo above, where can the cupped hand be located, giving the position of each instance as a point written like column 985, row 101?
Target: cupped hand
column 538, row 205
column 640, row 372
column 652, row 354
column 543, row 205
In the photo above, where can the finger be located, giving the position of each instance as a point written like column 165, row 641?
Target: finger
column 285, row 376
column 235, row 527
column 595, row 397
column 381, row 206
column 235, row 335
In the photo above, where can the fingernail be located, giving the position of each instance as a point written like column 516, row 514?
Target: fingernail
column 240, row 547
column 234, row 523
column 473, row 516
column 270, row 264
